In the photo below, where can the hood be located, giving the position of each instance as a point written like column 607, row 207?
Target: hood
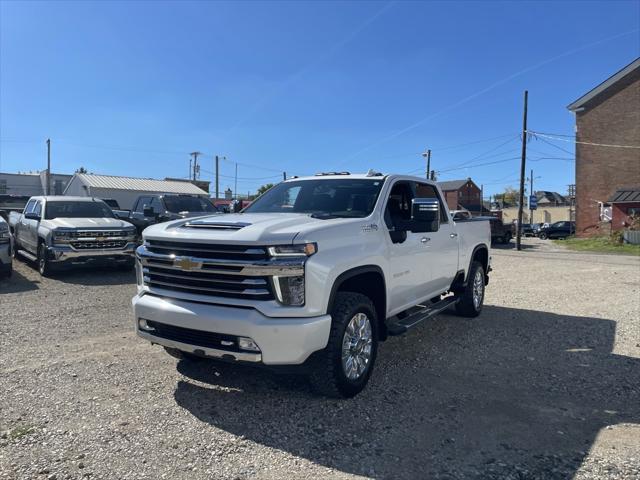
column 85, row 223
column 265, row 228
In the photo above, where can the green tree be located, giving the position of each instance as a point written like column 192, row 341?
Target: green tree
column 264, row 188
column 81, row 170
column 509, row 196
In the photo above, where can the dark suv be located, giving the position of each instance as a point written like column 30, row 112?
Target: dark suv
column 558, row 230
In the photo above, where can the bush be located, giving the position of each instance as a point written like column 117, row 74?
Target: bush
column 617, row 238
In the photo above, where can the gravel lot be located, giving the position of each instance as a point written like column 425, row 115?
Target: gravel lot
column 544, row 384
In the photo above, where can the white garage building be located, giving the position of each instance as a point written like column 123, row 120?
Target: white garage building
column 126, row 189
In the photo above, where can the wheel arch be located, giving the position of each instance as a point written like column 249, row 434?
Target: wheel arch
column 368, row 280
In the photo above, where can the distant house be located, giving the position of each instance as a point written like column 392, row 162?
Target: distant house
column 125, row 189
column 463, row 194
column 607, row 115
column 625, row 203
column 548, row 199
column 32, row 184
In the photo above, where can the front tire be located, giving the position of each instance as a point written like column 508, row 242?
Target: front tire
column 472, row 298
column 543, row 236
column 44, row 266
column 343, row 368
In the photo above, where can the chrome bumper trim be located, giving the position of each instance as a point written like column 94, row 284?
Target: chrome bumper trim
column 64, row 253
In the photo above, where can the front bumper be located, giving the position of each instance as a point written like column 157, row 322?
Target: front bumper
column 282, row 341
column 66, row 253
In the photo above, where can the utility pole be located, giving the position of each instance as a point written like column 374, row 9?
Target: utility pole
column 235, row 184
column 284, row 175
column 196, row 167
column 190, row 167
column 522, row 167
column 481, row 199
column 217, row 175
column 530, row 194
column 427, row 157
column 48, row 189
column 433, row 175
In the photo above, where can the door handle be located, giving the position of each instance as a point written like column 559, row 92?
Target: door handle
column 453, row 235
column 425, row 239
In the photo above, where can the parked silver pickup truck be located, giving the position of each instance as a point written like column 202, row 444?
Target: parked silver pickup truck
column 61, row 232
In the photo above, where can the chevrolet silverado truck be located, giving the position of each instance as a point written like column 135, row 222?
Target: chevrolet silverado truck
column 315, row 273
column 6, row 265
column 58, row 232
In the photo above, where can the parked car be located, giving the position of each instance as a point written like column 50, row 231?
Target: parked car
column 6, row 266
column 536, row 228
column 314, row 273
column 156, row 208
column 115, row 208
column 60, row 232
column 500, row 232
column 527, row 230
column 561, row 230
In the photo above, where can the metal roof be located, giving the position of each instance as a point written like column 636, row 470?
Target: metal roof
column 626, row 195
column 138, row 184
column 604, row 85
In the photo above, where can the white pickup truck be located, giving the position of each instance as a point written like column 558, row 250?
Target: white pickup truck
column 314, row 273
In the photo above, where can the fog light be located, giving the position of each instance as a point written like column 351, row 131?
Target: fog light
column 142, row 324
column 246, row 343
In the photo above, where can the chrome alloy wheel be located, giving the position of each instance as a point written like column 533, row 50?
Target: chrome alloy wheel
column 478, row 289
column 357, row 346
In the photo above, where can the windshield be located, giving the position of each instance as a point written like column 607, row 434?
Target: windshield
column 322, row 197
column 69, row 209
column 177, row 204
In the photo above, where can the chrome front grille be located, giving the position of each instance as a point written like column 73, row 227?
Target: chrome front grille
column 90, row 245
column 213, row 269
column 82, row 234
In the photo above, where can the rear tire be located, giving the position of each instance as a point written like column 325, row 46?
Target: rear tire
column 472, row 298
column 343, row 368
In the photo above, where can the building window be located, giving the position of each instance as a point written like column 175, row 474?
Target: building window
column 631, row 211
column 3, row 186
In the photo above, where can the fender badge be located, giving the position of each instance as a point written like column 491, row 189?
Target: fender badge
column 372, row 227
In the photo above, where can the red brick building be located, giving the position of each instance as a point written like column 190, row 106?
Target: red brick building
column 463, row 194
column 625, row 205
column 607, row 115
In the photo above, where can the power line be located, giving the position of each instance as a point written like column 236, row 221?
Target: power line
column 478, row 165
column 570, row 140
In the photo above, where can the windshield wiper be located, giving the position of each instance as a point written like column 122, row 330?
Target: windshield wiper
column 324, row 215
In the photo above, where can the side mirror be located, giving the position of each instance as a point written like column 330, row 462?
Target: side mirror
column 425, row 215
column 32, row 216
column 148, row 212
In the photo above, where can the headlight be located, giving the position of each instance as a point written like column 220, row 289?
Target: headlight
column 297, row 250
column 61, row 236
column 289, row 290
column 4, row 236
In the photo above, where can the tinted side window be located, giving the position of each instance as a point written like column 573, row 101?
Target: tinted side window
column 38, row 208
column 157, row 205
column 142, row 201
column 29, row 207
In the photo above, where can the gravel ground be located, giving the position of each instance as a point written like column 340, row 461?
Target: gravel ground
column 544, row 384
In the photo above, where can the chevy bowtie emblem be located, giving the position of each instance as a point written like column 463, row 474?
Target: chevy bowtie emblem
column 185, row 263
column 100, row 239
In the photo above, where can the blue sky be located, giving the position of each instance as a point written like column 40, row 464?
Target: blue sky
column 129, row 88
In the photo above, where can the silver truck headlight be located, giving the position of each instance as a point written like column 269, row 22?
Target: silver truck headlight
column 61, row 236
column 5, row 236
column 289, row 290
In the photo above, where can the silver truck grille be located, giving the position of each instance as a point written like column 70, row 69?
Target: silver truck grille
column 82, row 234
column 90, row 245
column 213, row 269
